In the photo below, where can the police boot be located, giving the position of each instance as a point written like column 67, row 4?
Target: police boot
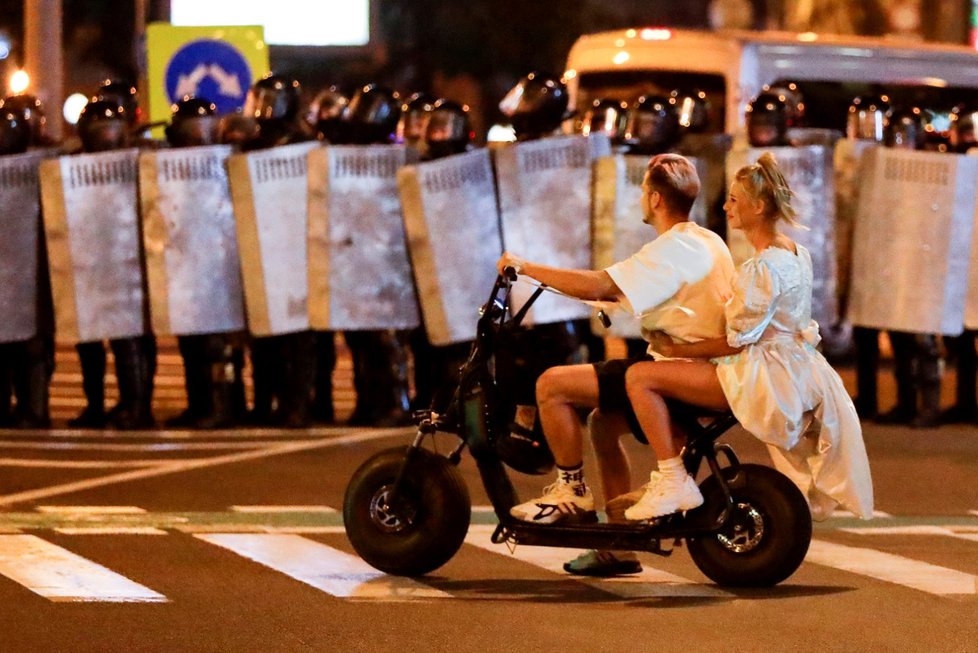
column 904, row 353
column 31, row 387
column 132, row 370
column 91, row 356
column 928, row 379
column 323, row 410
column 195, row 375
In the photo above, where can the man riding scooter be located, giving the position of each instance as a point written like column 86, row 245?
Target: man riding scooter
column 676, row 284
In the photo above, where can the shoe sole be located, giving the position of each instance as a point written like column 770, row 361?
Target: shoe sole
column 576, row 519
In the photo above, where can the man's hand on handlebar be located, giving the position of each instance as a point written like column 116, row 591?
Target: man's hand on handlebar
column 512, row 261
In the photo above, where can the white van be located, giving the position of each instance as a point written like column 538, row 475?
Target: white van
column 732, row 67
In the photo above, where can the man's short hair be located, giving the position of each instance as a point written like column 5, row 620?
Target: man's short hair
column 675, row 178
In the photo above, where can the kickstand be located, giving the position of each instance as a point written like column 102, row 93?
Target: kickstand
column 503, row 535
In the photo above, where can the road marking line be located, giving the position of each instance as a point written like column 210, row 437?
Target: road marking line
column 845, row 514
column 322, row 567
column 109, row 530
column 892, row 568
column 92, row 510
column 177, row 434
column 78, row 464
column 274, row 509
column 650, row 583
column 898, row 530
column 60, row 575
column 144, row 446
column 973, row 512
column 187, row 465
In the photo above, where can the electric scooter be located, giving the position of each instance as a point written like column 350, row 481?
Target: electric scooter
column 407, row 509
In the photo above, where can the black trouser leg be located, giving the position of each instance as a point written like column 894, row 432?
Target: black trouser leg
column 195, row 375
column 6, row 385
column 904, row 363
column 927, row 379
column 132, row 369
column 239, row 402
column 219, row 369
column 91, row 356
column 31, row 385
column 359, row 344
column 323, row 409
column 867, row 346
column 299, row 358
column 425, row 368
column 262, row 376
column 965, row 407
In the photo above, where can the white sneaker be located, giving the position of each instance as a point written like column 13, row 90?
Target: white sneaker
column 664, row 497
column 559, row 504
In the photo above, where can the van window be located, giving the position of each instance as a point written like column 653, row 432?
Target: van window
column 827, row 103
column 629, row 85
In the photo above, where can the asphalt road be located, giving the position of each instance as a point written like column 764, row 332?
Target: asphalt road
column 179, row 541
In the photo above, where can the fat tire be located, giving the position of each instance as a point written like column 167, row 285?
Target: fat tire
column 785, row 540
column 439, row 509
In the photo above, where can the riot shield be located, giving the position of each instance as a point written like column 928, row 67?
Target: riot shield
column 20, row 212
column 809, row 173
column 91, row 221
column 359, row 273
column 268, row 192
column 912, row 241
column 452, row 223
column 545, row 210
column 619, row 230
column 192, row 263
column 850, row 170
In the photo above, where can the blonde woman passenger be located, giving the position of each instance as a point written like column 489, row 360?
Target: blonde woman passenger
column 766, row 370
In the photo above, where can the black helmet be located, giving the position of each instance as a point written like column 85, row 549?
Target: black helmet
column 793, row 99
column 606, row 116
column 327, row 115
column 526, row 451
column 33, row 112
column 652, row 126
column 767, row 120
column 536, row 105
column 373, row 114
column 692, row 110
column 194, row 122
column 904, row 128
column 866, row 117
column 446, row 129
column 414, row 112
column 122, row 93
column 15, row 130
column 102, row 126
column 964, row 121
column 273, row 98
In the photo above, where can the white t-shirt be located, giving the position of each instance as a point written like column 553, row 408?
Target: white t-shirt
column 678, row 283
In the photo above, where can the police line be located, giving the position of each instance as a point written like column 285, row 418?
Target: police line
column 304, row 236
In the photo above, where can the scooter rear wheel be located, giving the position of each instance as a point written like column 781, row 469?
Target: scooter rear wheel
column 767, row 536
column 419, row 532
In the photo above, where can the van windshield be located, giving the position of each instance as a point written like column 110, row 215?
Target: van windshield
column 630, row 85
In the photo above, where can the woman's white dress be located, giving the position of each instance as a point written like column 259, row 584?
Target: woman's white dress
column 783, row 390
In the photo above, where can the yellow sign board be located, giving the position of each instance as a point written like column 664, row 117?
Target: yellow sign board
column 218, row 64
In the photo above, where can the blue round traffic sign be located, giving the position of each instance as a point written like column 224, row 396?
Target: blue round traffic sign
column 210, row 70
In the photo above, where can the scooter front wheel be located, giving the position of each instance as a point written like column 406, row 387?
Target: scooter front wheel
column 420, row 529
column 767, row 535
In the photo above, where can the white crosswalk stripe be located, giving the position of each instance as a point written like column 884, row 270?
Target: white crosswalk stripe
column 892, row 568
column 60, row 575
column 650, row 583
column 322, row 567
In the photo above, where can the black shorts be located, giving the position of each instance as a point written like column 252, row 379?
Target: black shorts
column 612, row 397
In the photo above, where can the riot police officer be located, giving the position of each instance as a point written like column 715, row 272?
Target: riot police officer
column 102, row 126
column 26, row 366
column 692, row 110
column 916, row 356
column 767, row 120
column 536, row 106
column 410, row 124
column 211, row 377
column 380, row 356
column 444, row 131
column 963, row 137
column 283, row 366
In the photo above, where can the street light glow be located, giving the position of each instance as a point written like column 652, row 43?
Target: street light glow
column 19, row 82
column 73, row 107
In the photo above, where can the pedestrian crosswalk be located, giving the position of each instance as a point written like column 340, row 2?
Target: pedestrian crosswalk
column 316, row 555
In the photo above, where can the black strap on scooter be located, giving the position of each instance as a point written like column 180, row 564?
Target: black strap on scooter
column 518, row 318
